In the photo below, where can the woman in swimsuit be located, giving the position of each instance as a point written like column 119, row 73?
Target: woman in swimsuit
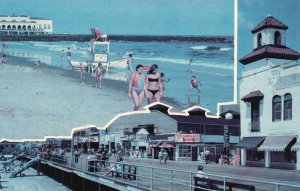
column 136, row 87
column 153, row 85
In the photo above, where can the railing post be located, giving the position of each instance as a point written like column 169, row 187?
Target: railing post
column 191, row 181
column 171, row 179
column 277, row 187
column 151, row 178
column 224, row 183
column 136, row 176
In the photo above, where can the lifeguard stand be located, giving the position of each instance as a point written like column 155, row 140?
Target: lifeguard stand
column 98, row 54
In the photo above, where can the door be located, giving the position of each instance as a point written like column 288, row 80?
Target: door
column 194, row 153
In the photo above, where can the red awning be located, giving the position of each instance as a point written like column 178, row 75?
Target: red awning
column 167, row 145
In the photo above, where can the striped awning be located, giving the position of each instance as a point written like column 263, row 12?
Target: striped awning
column 296, row 146
column 276, row 143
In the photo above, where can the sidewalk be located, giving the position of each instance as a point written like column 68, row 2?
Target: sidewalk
column 257, row 173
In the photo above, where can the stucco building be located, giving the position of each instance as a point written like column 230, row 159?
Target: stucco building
column 25, row 25
column 270, row 99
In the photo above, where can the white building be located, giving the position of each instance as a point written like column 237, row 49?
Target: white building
column 270, row 94
column 24, row 25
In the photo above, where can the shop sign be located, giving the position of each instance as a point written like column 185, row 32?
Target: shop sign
column 94, row 139
column 83, row 139
column 124, row 138
column 187, row 138
column 226, row 136
column 100, row 57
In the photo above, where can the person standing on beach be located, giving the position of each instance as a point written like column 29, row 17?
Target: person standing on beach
column 136, row 87
column 81, row 67
column 129, row 65
column 195, row 84
column 153, row 85
column 69, row 54
column 163, row 81
column 190, row 64
column 62, row 56
column 99, row 71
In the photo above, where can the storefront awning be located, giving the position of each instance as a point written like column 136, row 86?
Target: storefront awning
column 167, row 145
column 296, row 146
column 276, row 143
column 253, row 96
column 250, row 142
column 156, row 144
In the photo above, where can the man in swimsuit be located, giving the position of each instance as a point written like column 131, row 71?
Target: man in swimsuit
column 195, row 84
column 136, row 87
column 99, row 75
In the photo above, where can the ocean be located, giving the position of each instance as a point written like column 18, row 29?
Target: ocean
column 212, row 64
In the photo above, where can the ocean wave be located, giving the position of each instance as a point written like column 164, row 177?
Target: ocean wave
column 224, row 66
column 210, row 48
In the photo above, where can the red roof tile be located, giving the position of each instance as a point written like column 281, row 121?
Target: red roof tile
column 270, row 51
column 269, row 22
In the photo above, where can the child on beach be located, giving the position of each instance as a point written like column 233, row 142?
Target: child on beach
column 99, row 70
column 163, row 81
column 195, row 84
column 136, row 87
column 81, row 66
column 69, row 53
column 129, row 65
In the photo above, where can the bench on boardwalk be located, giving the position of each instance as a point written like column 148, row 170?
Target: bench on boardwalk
column 129, row 171
column 212, row 184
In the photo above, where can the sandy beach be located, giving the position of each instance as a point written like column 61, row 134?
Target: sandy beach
column 38, row 101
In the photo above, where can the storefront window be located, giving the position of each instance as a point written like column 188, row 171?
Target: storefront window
column 284, row 157
column 254, row 155
column 185, row 151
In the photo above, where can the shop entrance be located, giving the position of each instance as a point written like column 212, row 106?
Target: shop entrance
column 194, row 153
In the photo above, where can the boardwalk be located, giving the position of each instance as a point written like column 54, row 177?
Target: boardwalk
column 178, row 175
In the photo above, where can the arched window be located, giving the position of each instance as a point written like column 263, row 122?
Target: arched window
column 3, row 27
column 14, row 27
column 277, row 38
column 29, row 27
column 24, row 27
column 19, row 27
column 8, row 27
column 259, row 37
column 287, row 115
column 276, row 108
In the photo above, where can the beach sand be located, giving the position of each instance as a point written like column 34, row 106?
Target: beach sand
column 38, row 101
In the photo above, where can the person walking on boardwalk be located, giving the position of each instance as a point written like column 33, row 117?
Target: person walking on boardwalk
column 160, row 156
column 165, row 156
column 153, row 85
column 136, row 87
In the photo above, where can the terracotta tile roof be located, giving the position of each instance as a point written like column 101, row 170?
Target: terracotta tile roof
column 269, row 22
column 256, row 95
column 270, row 51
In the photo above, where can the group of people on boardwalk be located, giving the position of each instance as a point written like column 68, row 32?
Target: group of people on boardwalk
column 163, row 156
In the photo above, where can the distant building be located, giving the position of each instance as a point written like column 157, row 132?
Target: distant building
column 270, row 94
column 185, row 136
column 9, row 147
column 25, row 25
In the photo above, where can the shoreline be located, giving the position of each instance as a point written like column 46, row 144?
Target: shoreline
column 34, row 105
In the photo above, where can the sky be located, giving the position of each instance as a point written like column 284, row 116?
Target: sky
column 135, row 17
column 252, row 12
